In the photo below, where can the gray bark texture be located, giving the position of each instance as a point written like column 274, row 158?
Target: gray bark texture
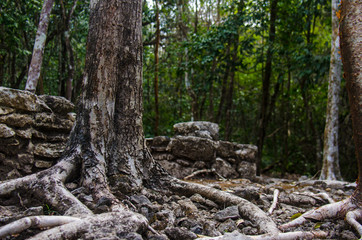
column 351, row 51
column 39, row 45
column 330, row 168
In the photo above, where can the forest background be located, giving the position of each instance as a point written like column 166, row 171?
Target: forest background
column 258, row 68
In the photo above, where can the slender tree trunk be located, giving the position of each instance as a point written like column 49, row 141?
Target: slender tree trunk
column 229, row 97
column 330, row 168
column 157, row 44
column 266, row 86
column 39, row 45
column 351, row 51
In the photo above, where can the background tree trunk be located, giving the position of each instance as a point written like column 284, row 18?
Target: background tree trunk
column 157, row 44
column 39, row 45
column 266, row 86
column 330, row 168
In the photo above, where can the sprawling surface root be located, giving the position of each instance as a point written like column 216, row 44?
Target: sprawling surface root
column 333, row 210
column 102, row 226
column 246, row 208
column 278, row 236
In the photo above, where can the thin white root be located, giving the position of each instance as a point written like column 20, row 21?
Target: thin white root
column 292, row 236
column 353, row 217
column 35, row 221
column 275, row 201
column 325, row 196
column 333, row 210
column 278, row 236
column 204, row 171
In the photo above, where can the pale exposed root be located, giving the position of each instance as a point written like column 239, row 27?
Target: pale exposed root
column 101, row 226
column 246, row 209
column 48, row 186
column 204, row 171
column 353, row 217
column 325, row 196
column 333, row 210
column 278, row 236
column 275, row 201
column 36, row 221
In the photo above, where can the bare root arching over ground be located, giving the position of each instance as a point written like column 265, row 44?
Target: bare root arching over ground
column 122, row 193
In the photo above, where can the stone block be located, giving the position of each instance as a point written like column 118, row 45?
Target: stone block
column 49, row 150
column 6, row 132
column 58, row 104
column 17, row 120
column 193, row 148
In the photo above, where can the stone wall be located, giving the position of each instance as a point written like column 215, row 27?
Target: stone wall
column 34, row 130
column 196, row 147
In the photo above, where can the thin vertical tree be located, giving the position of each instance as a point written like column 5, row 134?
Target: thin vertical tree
column 39, row 46
column 156, row 79
column 330, row 168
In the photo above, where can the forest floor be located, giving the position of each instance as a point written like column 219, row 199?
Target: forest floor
column 182, row 218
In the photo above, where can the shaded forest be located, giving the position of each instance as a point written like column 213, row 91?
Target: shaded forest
column 257, row 68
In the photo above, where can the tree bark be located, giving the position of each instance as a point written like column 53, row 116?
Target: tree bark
column 351, row 51
column 39, row 45
column 330, row 168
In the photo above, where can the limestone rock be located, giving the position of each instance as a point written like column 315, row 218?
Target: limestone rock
column 43, row 164
column 58, row 104
column 231, row 212
column 193, row 148
column 26, row 134
column 6, row 110
column 51, row 121
column 17, row 120
column 22, row 100
column 200, row 129
column 247, row 170
column 6, row 132
column 224, row 169
column 176, row 169
column 49, row 150
column 246, row 152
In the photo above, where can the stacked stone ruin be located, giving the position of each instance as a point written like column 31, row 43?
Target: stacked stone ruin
column 34, row 131
column 196, row 147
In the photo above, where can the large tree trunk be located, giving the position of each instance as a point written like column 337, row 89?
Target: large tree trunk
column 351, row 50
column 39, row 45
column 109, row 123
column 330, row 168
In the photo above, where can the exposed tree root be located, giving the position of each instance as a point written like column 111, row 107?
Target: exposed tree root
column 275, row 202
column 102, row 226
column 246, row 208
column 36, row 222
column 278, row 236
column 333, row 210
column 204, row 171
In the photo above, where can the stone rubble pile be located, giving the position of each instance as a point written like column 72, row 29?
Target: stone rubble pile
column 33, row 131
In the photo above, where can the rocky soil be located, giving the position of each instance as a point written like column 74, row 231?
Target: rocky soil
column 178, row 217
